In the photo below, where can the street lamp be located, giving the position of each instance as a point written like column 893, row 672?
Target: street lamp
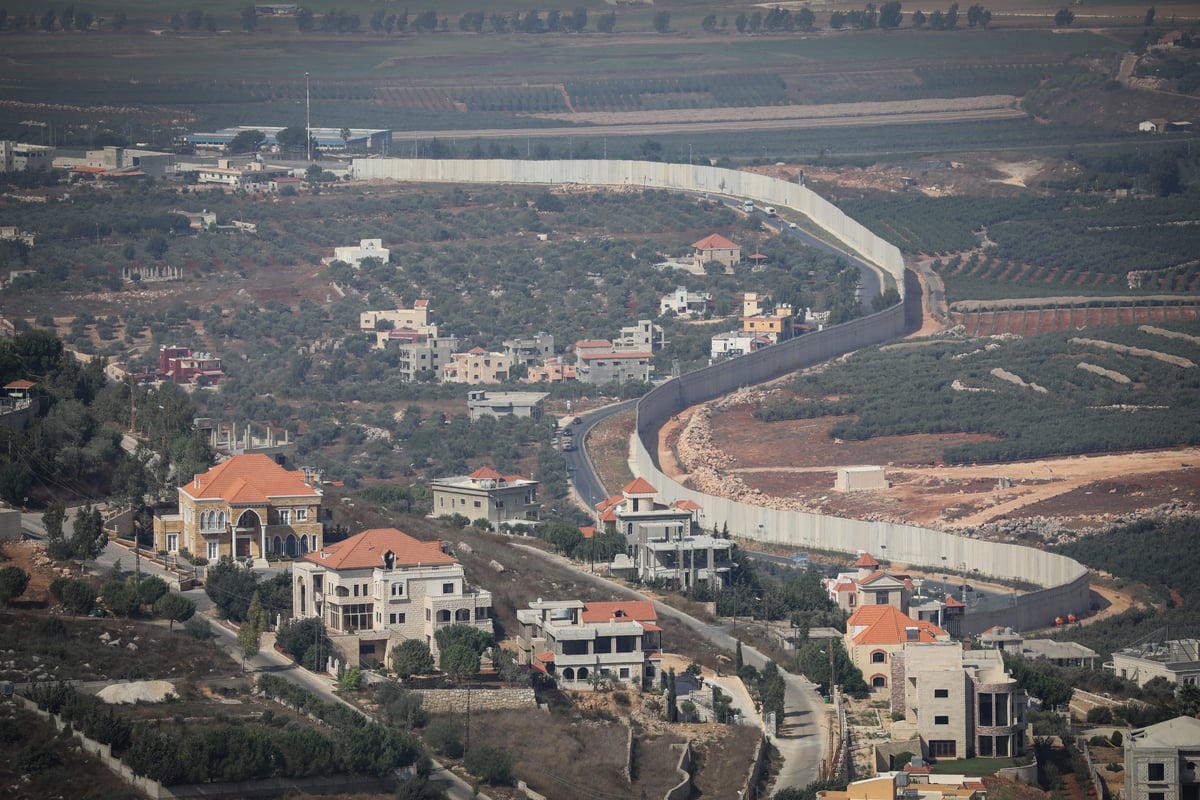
column 307, row 117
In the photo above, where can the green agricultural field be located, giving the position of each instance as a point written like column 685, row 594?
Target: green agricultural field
column 961, row 387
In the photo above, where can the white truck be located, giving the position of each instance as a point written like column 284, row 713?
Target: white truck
column 770, row 211
column 748, row 206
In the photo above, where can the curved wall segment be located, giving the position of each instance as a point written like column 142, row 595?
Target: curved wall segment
column 1065, row 581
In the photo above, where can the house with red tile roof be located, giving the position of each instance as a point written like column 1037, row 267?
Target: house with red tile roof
column 503, row 500
column 875, row 632
column 716, row 247
column 575, row 642
column 664, row 541
column 868, row 584
column 382, row 587
column 246, row 507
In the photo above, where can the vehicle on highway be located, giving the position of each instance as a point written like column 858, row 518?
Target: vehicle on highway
column 792, row 225
column 568, row 445
column 770, row 211
column 748, row 206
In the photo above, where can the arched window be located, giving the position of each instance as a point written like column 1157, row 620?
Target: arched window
column 582, row 674
column 221, row 520
column 462, row 615
column 878, row 682
column 443, row 615
column 568, row 674
column 879, row 657
column 277, row 545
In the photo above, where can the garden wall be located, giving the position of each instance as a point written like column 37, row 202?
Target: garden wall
column 454, row 701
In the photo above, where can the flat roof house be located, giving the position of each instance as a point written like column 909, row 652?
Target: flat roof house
column 1161, row 761
column 486, row 494
column 575, row 641
column 382, row 587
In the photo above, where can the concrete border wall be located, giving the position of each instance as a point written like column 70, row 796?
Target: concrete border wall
column 1065, row 581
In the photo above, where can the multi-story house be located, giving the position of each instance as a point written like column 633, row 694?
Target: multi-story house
column 660, row 542
column 574, row 641
column 961, row 703
column 486, row 494
column 777, row 326
column 1161, row 761
column 246, row 507
column 640, row 337
column 531, row 351
column 182, row 366
column 477, row 366
column 382, row 587
column 599, row 367
column 398, row 323
column 737, row 343
column 716, row 248
column 875, row 633
column 869, row 585
column 552, row 370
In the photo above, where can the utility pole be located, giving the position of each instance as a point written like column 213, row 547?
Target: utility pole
column 307, row 118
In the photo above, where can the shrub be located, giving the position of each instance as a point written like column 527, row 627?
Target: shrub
column 13, row 582
column 445, row 737
column 1117, row 739
column 197, row 628
column 490, row 764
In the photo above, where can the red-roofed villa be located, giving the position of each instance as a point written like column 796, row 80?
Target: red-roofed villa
column 246, row 507
column 381, row 587
column 717, row 248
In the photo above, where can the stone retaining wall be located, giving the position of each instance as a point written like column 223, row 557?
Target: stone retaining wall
column 454, row 701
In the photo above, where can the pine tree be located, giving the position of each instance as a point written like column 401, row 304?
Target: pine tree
column 672, row 707
column 737, row 658
column 250, row 634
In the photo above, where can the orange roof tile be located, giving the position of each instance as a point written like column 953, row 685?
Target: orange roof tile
column 951, row 600
column 687, row 505
column 588, row 531
column 582, row 343
column 367, row 550
column 477, row 351
column 546, row 656
column 715, row 242
column 639, row 486
column 637, row 610
column 617, row 354
column 865, row 560
column 20, row 384
column 485, row 474
column 248, row 478
column 886, row 625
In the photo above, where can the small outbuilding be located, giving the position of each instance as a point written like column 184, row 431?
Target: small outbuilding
column 860, row 479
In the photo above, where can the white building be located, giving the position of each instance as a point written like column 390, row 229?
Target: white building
column 366, row 248
column 860, row 479
column 683, row 303
column 382, row 587
column 737, row 343
column 574, row 641
column 529, row 405
column 1177, row 661
column 18, row 156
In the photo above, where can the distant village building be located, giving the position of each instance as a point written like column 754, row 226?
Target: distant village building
column 530, row 351
column 182, row 366
column 683, row 303
column 477, row 366
column 527, row 405
column 552, row 370
column 366, row 248
column 18, row 156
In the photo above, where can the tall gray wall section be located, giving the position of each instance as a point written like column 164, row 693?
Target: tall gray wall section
column 1065, row 581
